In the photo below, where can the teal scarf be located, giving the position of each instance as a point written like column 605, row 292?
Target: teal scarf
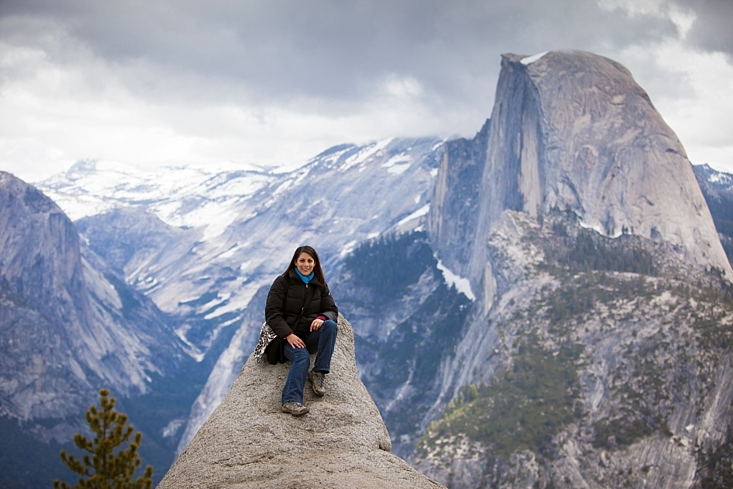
column 304, row 278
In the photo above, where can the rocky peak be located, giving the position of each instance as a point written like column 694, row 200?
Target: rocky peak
column 249, row 442
column 39, row 250
column 573, row 131
column 69, row 324
column 44, row 304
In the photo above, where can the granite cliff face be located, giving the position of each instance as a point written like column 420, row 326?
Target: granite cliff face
column 571, row 131
column 605, row 363
column 597, row 353
column 42, row 285
column 69, row 324
column 249, row 442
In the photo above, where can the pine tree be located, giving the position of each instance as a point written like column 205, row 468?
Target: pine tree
column 106, row 469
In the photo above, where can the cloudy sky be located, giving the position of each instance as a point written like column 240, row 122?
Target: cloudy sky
column 272, row 83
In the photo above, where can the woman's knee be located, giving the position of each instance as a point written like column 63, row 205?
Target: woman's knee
column 298, row 355
column 329, row 326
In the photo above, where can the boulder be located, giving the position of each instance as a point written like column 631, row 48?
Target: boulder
column 249, row 442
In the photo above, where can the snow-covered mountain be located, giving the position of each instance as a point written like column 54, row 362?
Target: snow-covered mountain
column 721, row 181
column 539, row 315
column 198, row 197
column 202, row 245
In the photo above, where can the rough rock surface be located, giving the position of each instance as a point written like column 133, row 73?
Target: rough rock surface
column 652, row 388
column 68, row 324
column 41, row 279
column 576, row 153
column 249, row 442
column 573, row 131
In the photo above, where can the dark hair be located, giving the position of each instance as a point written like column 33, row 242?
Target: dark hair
column 312, row 252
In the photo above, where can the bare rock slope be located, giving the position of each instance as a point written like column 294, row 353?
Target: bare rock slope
column 249, row 442
column 68, row 324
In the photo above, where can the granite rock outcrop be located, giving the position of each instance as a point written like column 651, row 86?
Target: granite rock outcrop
column 597, row 353
column 570, row 131
column 69, row 325
column 249, row 442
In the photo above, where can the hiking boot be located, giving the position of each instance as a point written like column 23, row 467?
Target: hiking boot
column 318, row 379
column 295, row 408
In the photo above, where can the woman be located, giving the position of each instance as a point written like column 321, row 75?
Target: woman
column 300, row 310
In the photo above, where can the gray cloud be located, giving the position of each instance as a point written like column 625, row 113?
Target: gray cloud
column 276, row 81
column 337, row 50
column 712, row 29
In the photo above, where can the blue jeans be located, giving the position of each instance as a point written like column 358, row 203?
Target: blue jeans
column 322, row 341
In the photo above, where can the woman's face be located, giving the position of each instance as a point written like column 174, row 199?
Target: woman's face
column 305, row 264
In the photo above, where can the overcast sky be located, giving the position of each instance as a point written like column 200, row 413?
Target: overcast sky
column 273, row 83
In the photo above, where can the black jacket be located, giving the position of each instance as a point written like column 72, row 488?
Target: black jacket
column 286, row 298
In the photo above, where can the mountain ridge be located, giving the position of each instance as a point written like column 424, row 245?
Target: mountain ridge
column 68, row 318
column 586, row 196
column 569, row 265
column 348, row 193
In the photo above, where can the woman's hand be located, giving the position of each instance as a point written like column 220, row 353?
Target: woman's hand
column 295, row 341
column 316, row 324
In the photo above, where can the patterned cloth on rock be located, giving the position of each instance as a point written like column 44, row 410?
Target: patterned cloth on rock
column 266, row 336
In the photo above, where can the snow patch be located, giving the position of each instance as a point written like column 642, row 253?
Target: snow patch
column 230, row 322
column 418, row 213
column 94, row 187
column 461, row 284
column 229, row 253
column 366, row 153
column 283, row 187
column 398, row 169
column 238, row 302
column 194, row 352
column 398, row 164
column 348, row 248
column 219, row 223
column 531, row 59
column 597, row 228
column 216, row 301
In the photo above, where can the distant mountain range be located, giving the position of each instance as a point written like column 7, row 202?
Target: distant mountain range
column 208, row 277
column 545, row 304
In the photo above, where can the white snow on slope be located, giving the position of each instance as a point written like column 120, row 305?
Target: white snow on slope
column 599, row 229
column 418, row 213
column 461, row 284
column 531, row 59
column 366, row 153
column 398, row 164
column 180, row 196
column 348, row 248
